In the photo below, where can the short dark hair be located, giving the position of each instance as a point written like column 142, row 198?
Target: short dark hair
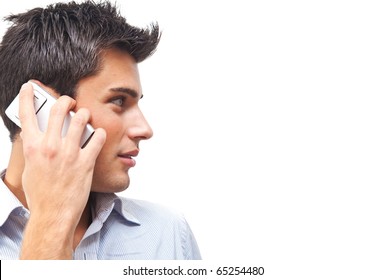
column 62, row 43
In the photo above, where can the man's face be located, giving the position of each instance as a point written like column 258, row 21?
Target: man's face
column 112, row 97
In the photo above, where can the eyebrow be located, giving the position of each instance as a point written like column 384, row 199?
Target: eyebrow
column 133, row 93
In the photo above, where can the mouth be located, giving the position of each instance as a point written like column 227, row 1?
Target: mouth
column 129, row 154
column 127, row 158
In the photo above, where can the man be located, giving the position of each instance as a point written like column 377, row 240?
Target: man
column 57, row 200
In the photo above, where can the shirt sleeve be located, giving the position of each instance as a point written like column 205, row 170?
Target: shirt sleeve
column 189, row 243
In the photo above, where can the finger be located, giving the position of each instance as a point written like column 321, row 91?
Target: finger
column 94, row 146
column 27, row 116
column 75, row 131
column 58, row 113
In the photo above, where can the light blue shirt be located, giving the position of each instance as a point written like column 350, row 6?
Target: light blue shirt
column 122, row 229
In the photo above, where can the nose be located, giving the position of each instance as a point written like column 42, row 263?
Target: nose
column 139, row 128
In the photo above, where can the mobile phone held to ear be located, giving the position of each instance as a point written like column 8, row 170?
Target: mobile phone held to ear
column 43, row 102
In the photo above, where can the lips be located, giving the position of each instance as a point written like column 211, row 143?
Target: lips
column 127, row 158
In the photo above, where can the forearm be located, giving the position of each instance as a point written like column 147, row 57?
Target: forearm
column 47, row 238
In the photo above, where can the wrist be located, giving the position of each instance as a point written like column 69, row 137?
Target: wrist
column 47, row 238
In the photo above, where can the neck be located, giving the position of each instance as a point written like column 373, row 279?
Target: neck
column 14, row 171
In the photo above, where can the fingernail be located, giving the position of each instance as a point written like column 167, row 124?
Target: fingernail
column 24, row 86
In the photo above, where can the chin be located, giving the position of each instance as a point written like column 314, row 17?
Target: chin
column 110, row 184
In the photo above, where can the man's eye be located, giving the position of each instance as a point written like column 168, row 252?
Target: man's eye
column 118, row 101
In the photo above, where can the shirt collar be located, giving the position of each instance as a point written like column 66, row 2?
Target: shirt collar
column 107, row 202
column 8, row 200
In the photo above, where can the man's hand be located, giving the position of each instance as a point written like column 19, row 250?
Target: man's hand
column 57, row 176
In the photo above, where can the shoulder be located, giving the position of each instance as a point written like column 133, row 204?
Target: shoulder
column 146, row 211
column 163, row 225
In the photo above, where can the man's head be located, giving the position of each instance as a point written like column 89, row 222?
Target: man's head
column 89, row 52
column 63, row 44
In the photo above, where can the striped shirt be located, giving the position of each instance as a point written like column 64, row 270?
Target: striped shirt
column 121, row 229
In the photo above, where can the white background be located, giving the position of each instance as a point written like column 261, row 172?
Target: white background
column 269, row 122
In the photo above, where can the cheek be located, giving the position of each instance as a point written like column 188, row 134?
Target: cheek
column 112, row 127
column 111, row 123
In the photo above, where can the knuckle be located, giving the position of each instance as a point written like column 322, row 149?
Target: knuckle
column 62, row 105
column 70, row 157
column 81, row 117
column 49, row 151
column 57, row 109
column 78, row 120
column 66, row 99
column 29, row 150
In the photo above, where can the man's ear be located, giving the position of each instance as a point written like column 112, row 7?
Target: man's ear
column 48, row 89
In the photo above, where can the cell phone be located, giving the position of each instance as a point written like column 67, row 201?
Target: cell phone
column 43, row 102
